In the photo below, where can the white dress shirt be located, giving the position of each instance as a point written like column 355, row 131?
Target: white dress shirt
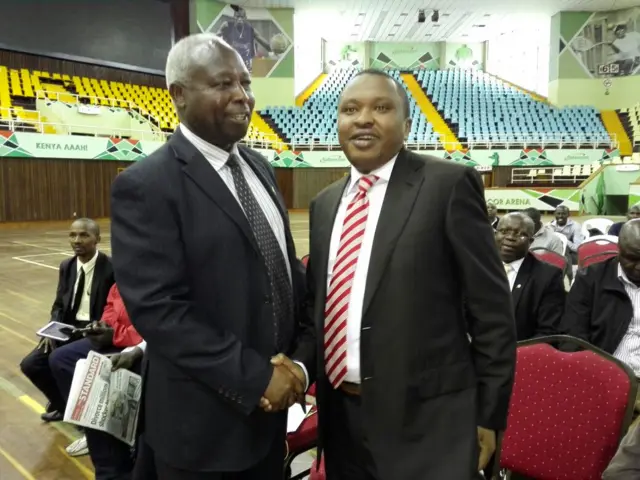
column 628, row 350
column 354, row 312
column 512, row 271
column 218, row 160
column 84, row 310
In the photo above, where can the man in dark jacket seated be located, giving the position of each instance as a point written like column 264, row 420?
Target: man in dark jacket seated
column 603, row 306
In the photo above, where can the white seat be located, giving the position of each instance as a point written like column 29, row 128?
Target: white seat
column 564, row 240
column 602, row 224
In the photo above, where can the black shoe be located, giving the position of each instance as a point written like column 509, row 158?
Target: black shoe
column 53, row 416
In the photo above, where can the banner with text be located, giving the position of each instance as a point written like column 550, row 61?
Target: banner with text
column 544, row 199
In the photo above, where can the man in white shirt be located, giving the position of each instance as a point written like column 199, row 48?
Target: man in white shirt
column 83, row 286
column 402, row 266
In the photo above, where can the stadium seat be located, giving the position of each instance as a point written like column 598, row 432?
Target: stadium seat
column 483, row 109
column 597, row 249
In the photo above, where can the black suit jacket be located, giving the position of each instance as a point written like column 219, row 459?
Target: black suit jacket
column 67, row 275
column 598, row 309
column 425, row 387
column 538, row 299
column 196, row 287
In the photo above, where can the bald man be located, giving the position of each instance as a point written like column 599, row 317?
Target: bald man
column 603, row 305
column 536, row 287
column 207, row 269
column 634, row 212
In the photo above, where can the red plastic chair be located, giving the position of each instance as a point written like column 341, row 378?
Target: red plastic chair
column 595, row 250
column 568, row 411
column 303, row 439
column 550, row 257
column 318, row 474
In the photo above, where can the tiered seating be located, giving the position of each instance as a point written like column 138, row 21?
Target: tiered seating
column 315, row 122
column 631, row 120
column 482, row 108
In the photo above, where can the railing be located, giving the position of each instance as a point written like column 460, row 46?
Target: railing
column 554, row 140
column 553, row 175
column 13, row 111
column 110, row 102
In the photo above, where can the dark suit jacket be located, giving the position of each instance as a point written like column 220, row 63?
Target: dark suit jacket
column 598, row 309
column 426, row 388
column 102, row 282
column 538, row 299
column 197, row 290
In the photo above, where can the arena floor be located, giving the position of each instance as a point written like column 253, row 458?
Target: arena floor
column 29, row 259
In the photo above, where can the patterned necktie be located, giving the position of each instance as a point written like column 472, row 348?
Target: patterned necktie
column 337, row 303
column 281, row 290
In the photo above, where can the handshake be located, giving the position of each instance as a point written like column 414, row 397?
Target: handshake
column 286, row 387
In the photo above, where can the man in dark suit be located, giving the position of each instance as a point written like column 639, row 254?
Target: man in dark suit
column 492, row 213
column 603, row 305
column 536, row 287
column 206, row 265
column 83, row 286
column 403, row 265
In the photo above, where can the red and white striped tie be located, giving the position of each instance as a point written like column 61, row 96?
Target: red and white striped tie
column 337, row 304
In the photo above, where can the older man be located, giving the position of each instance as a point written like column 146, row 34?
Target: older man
column 207, row 268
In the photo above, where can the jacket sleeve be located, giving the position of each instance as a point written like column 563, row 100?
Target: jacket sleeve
column 486, row 289
column 151, row 273
column 551, row 306
column 115, row 315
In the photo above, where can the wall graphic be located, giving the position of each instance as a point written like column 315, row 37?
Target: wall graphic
column 601, row 44
column 343, row 55
column 263, row 37
column 545, row 199
column 411, row 56
column 464, row 55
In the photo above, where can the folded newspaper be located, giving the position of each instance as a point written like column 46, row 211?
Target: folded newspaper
column 104, row 400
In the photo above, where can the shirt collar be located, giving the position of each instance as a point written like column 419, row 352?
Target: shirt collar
column 214, row 155
column 383, row 173
column 624, row 279
column 87, row 266
column 516, row 264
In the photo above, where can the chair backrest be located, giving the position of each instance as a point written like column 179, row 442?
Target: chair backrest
column 568, row 411
column 564, row 240
column 550, row 257
column 597, row 249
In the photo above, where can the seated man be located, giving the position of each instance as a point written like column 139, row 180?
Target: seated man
column 536, row 287
column 573, row 231
column 111, row 458
column 544, row 237
column 603, row 305
column 634, row 212
column 83, row 285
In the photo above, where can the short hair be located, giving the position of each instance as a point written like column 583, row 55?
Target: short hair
column 563, row 207
column 92, row 225
column 402, row 92
column 533, row 213
column 185, row 53
column 526, row 220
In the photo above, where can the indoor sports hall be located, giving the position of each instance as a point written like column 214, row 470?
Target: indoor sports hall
column 542, row 98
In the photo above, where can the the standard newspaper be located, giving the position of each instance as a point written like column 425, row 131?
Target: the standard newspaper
column 104, row 400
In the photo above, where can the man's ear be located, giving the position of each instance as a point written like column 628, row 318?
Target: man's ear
column 407, row 128
column 177, row 93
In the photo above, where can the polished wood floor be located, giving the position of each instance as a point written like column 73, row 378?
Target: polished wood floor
column 29, row 259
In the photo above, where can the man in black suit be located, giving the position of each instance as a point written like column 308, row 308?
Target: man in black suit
column 603, row 305
column 492, row 213
column 83, row 286
column 206, row 265
column 403, row 265
column 536, row 287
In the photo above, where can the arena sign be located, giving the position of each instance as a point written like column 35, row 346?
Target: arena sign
column 544, row 199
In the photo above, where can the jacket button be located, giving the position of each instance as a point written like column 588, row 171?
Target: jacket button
column 266, row 299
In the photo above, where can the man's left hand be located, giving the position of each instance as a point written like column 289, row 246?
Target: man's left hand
column 487, row 443
column 100, row 335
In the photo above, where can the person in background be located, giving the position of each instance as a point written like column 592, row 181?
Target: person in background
column 396, row 249
column 564, row 225
column 603, row 305
column 492, row 213
column 537, row 288
column 545, row 236
column 634, row 212
column 83, row 285
column 111, row 458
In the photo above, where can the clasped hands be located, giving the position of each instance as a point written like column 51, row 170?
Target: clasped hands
column 286, row 387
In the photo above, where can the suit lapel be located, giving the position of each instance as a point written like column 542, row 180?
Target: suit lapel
column 207, row 179
column 402, row 190
column 72, row 276
column 523, row 276
column 97, row 281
